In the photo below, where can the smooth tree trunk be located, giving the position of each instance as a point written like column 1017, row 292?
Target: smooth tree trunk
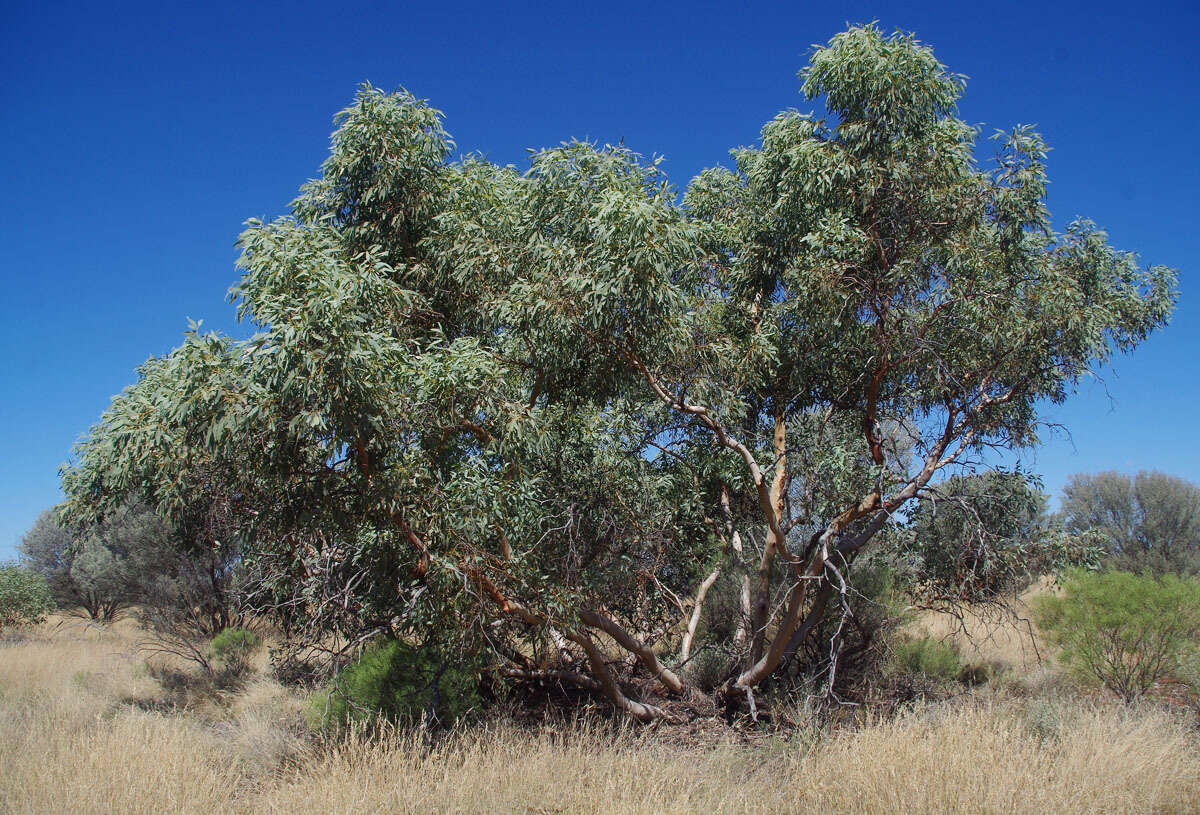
column 774, row 540
column 685, row 650
column 741, row 632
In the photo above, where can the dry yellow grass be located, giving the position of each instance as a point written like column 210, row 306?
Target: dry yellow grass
column 992, row 636
column 72, row 742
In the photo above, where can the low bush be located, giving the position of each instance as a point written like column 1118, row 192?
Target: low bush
column 399, row 682
column 24, row 597
column 234, row 647
column 1124, row 630
column 235, row 642
column 928, row 656
column 708, row 668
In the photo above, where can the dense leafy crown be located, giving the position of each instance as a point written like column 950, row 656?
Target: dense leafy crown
column 484, row 395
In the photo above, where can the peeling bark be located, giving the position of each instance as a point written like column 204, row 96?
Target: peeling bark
column 560, row 645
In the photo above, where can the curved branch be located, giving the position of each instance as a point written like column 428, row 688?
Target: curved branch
column 635, row 646
column 685, row 650
column 608, row 684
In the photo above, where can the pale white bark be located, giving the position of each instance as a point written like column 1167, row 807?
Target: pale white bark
column 741, row 633
column 560, row 645
column 554, row 676
column 685, row 650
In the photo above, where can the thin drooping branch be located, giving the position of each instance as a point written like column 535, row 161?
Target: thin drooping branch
column 725, row 439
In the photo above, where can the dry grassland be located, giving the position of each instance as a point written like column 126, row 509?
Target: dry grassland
column 84, row 729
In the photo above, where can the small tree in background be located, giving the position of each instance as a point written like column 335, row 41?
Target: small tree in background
column 1150, row 521
column 24, row 597
column 47, row 549
column 104, row 567
column 1122, row 629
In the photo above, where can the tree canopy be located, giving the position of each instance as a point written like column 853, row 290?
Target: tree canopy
column 530, row 413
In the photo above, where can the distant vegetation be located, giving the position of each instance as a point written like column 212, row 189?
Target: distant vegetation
column 1150, row 521
column 105, row 568
column 978, row 538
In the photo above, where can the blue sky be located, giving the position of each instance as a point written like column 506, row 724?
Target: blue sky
column 138, row 138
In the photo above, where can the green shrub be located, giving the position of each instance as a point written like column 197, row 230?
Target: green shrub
column 24, row 597
column 235, row 642
column 400, row 682
column 1124, row 630
column 929, row 657
column 707, row 668
column 234, row 647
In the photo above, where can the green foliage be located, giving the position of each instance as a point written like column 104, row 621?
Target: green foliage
column 929, row 657
column 1187, row 665
column 235, row 643
column 400, row 682
column 1150, row 521
column 973, row 538
column 1124, row 630
column 24, row 597
column 481, row 401
column 234, row 647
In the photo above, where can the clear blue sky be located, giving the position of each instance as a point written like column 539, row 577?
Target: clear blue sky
column 138, row 137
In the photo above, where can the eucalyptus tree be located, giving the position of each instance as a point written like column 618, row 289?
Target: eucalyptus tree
column 858, row 269
column 534, row 413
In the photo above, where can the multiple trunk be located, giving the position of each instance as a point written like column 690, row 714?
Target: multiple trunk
column 772, row 635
